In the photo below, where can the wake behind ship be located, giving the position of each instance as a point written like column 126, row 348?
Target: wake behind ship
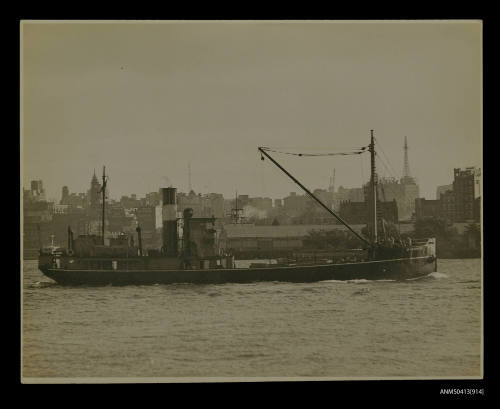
column 192, row 252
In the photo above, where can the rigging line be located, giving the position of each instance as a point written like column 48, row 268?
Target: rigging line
column 338, row 148
column 388, row 161
column 384, row 159
column 317, row 154
column 385, row 163
column 383, row 191
column 358, row 152
column 355, row 148
column 385, row 166
column 362, row 172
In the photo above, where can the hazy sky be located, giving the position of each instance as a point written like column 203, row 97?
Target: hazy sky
column 147, row 99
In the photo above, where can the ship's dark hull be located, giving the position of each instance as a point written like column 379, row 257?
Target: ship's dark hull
column 398, row 269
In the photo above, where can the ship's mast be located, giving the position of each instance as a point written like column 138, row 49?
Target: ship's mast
column 373, row 180
column 103, row 190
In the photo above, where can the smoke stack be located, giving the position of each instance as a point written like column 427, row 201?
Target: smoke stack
column 70, row 239
column 169, row 219
column 139, row 239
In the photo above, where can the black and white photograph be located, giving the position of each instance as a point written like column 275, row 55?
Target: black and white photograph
column 251, row 200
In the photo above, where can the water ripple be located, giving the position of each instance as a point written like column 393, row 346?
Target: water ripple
column 426, row 327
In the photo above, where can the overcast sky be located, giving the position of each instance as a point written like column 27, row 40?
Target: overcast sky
column 148, row 99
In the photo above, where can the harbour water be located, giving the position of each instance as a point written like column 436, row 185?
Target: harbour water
column 430, row 327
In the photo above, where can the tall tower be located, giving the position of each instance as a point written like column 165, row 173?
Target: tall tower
column 406, row 169
column 331, row 187
column 406, row 179
column 408, row 190
column 65, row 195
column 95, row 188
column 37, row 190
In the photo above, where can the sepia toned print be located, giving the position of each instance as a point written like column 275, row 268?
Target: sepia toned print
column 251, row 200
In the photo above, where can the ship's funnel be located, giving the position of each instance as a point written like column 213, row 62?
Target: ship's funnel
column 169, row 219
column 169, row 203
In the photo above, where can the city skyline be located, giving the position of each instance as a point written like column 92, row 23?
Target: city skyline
column 149, row 100
column 337, row 190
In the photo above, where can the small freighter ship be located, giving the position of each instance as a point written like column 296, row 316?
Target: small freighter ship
column 191, row 253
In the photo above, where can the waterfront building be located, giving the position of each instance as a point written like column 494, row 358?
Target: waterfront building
column 466, row 188
column 427, row 208
column 61, row 208
column 74, row 200
column 152, row 199
column 190, row 200
column 447, row 206
column 37, row 191
column 131, row 202
column 326, row 196
column 295, row 205
column 213, row 205
column 261, row 203
column 347, row 195
column 404, row 192
column 443, row 189
column 459, row 202
column 269, row 240
column 357, row 212
column 146, row 218
column 64, row 195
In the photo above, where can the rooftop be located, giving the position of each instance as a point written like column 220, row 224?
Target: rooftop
column 298, row 230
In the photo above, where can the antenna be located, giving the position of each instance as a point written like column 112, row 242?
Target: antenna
column 406, row 169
